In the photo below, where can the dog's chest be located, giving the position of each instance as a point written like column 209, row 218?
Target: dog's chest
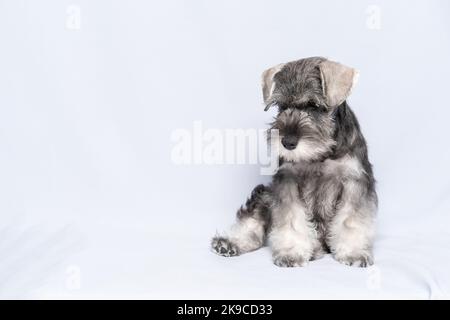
column 321, row 185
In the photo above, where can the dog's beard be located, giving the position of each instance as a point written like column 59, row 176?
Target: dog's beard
column 306, row 150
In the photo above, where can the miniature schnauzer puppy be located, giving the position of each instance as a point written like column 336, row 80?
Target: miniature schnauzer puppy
column 322, row 198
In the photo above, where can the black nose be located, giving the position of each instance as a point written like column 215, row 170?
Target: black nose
column 289, row 142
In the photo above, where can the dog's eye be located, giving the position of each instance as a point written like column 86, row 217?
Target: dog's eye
column 281, row 107
column 317, row 107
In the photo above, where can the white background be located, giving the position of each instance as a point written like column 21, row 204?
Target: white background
column 91, row 204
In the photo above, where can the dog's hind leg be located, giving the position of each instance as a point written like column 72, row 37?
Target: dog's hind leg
column 248, row 233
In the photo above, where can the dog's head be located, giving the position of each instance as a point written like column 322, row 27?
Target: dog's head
column 307, row 93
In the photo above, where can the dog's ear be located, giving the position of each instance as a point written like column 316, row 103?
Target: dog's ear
column 337, row 81
column 268, row 84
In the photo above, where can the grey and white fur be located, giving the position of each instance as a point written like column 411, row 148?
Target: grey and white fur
column 322, row 198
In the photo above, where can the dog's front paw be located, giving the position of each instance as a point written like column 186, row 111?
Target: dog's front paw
column 289, row 261
column 360, row 260
column 224, row 247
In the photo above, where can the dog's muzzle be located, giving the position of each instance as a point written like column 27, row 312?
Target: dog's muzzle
column 289, row 142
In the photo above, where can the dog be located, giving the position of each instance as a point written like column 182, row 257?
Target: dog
column 322, row 198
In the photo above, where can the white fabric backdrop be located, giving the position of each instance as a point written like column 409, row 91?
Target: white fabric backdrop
column 91, row 91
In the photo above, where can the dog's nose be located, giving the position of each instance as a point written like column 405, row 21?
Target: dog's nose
column 289, row 142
